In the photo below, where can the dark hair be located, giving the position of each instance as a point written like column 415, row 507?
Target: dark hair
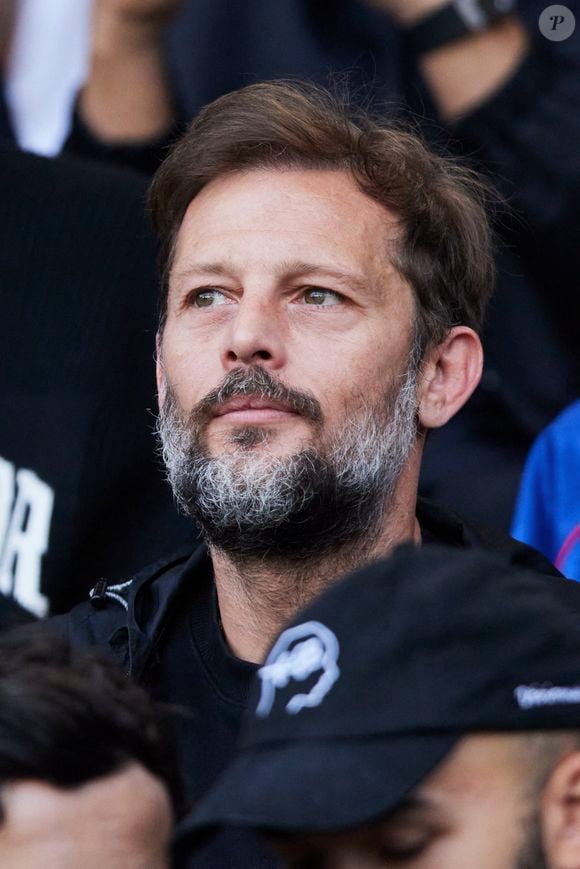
column 69, row 716
column 444, row 248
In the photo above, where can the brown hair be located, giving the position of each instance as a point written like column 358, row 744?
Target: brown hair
column 444, row 248
column 69, row 716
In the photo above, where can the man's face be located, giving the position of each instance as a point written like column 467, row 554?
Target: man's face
column 472, row 811
column 122, row 821
column 284, row 358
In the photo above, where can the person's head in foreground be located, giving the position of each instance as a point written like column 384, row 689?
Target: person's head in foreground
column 325, row 276
column 86, row 780
column 425, row 712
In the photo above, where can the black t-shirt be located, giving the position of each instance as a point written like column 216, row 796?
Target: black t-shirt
column 206, row 687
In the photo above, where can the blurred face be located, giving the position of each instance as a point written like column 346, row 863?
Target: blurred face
column 471, row 812
column 123, row 821
column 288, row 335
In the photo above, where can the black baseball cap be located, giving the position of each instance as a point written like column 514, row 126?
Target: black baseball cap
column 369, row 689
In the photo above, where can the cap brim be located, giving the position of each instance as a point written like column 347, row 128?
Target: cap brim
column 316, row 786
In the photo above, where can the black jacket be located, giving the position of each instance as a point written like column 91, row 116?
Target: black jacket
column 129, row 619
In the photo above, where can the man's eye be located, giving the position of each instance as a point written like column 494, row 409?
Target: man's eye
column 208, row 298
column 321, row 297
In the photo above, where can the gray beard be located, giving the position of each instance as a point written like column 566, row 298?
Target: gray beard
column 306, row 506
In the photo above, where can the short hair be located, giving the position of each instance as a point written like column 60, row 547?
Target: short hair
column 540, row 752
column 69, row 716
column 444, row 249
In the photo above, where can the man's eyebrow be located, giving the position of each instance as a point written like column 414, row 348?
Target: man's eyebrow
column 289, row 270
column 217, row 269
column 298, row 269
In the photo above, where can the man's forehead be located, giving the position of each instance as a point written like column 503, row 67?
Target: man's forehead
column 479, row 764
column 293, row 184
column 34, row 804
column 316, row 204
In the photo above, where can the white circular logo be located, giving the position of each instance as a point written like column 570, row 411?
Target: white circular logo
column 557, row 23
column 299, row 653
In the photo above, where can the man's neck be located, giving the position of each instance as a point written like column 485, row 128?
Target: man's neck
column 257, row 597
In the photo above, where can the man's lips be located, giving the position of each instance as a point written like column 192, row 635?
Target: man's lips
column 245, row 408
column 246, row 402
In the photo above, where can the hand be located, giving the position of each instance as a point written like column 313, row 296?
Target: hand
column 407, row 12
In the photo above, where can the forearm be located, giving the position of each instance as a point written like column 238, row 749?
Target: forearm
column 463, row 74
column 127, row 97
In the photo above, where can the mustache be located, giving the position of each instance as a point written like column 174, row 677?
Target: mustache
column 258, row 382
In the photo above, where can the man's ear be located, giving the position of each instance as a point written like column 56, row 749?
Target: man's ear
column 449, row 374
column 160, row 371
column 560, row 814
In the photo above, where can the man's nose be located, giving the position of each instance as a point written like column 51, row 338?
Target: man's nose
column 255, row 335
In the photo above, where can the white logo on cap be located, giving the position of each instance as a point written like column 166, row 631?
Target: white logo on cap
column 529, row 696
column 315, row 648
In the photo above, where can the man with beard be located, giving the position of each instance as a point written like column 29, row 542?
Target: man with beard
column 324, row 279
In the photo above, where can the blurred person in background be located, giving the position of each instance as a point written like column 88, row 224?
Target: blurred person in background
column 78, row 296
column 324, row 281
column 424, row 712
column 547, row 514
column 44, row 63
column 86, row 777
column 485, row 84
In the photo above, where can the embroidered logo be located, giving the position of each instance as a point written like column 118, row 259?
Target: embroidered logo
column 529, row 696
column 298, row 653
